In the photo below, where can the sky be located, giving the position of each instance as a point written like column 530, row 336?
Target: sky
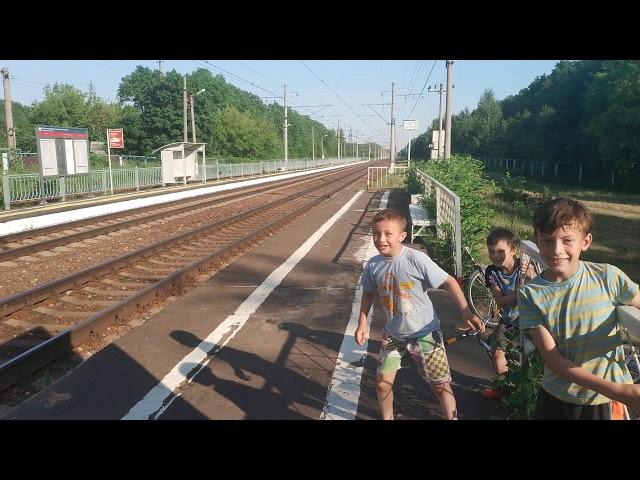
column 355, row 93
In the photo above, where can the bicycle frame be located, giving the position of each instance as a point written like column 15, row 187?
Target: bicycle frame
column 485, row 346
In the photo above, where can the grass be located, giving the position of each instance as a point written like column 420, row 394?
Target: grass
column 616, row 234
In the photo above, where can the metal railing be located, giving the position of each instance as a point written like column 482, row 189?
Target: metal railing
column 535, row 168
column 26, row 188
column 447, row 212
column 386, row 178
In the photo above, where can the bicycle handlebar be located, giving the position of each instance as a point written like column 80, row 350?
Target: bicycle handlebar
column 473, row 333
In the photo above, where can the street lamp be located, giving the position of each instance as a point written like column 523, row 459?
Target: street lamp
column 193, row 121
column 322, row 144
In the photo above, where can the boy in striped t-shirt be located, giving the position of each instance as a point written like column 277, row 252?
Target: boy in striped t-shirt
column 570, row 311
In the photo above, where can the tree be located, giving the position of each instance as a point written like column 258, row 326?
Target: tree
column 238, row 134
column 613, row 102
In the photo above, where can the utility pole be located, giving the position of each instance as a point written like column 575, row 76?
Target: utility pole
column 313, row 144
column 440, row 145
column 193, row 120
column 286, row 125
column 356, row 132
column 338, row 139
column 8, row 112
column 392, row 150
column 447, row 144
column 440, row 149
column 184, row 109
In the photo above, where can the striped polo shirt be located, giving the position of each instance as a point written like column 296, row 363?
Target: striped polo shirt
column 580, row 315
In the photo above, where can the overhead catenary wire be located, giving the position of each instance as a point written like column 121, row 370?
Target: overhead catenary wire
column 339, row 97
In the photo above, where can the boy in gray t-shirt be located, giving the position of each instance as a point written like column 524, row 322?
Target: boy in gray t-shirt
column 401, row 276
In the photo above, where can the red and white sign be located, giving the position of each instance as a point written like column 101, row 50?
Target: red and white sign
column 116, row 138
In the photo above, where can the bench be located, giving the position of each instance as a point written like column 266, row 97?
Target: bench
column 419, row 218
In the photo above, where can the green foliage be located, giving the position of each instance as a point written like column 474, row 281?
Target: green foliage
column 521, row 383
column 465, row 177
column 239, row 134
column 439, row 246
column 98, row 162
column 413, row 183
column 481, row 132
column 430, row 204
column 512, row 188
column 582, row 112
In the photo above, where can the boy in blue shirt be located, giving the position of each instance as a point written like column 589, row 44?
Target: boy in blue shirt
column 401, row 276
column 503, row 277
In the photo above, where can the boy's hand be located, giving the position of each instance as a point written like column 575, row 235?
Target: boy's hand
column 472, row 322
column 360, row 335
column 475, row 323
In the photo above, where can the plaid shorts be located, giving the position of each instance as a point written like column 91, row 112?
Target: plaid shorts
column 427, row 353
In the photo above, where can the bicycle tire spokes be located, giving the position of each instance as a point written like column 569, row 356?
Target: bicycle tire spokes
column 631, row 355
column 480, row 298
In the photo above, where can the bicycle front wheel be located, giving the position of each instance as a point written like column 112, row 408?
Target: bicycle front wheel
column 631, row 356
column 479, row 297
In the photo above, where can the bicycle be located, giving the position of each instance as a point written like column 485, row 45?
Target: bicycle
column 518, row 356
column 479, row 296
column 630, row 333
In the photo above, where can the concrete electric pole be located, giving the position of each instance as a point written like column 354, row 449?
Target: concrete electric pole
column 193, row 118
column 8, row 112
column 338, row 139
column 392, row 150
column 184, row 109
column 440, row 145
column 286, row 126
column 447, row 143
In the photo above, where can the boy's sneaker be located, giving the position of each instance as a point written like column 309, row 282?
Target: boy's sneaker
column 492, row 393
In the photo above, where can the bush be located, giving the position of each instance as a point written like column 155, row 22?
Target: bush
column 465, row 177
column 414, row 185
column 520, row 385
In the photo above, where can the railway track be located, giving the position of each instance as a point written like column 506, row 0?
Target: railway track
column 41, row 324
column 43, row 239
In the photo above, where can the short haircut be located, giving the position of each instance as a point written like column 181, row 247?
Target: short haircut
column 505, row 234
column 392, row 215
column 559, row 212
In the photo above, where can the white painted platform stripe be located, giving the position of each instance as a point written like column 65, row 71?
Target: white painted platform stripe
column 344, row 389
column 162, row 395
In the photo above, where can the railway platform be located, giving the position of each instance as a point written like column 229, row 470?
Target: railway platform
column 261, row 339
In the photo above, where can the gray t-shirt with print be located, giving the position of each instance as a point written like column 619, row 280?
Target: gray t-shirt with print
column 402, row 283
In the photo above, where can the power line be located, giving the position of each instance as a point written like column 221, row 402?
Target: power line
column 337, row 95
column 423, row 87
column 240, row 78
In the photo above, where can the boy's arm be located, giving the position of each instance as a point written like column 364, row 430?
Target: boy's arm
column 504, row 300
column 560, row 365
column 365, row 306
column 452, row 286
column 635, row 301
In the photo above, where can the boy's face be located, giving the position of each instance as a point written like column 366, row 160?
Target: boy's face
column 388, row 237
column 502, row 255
column 561, row 250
